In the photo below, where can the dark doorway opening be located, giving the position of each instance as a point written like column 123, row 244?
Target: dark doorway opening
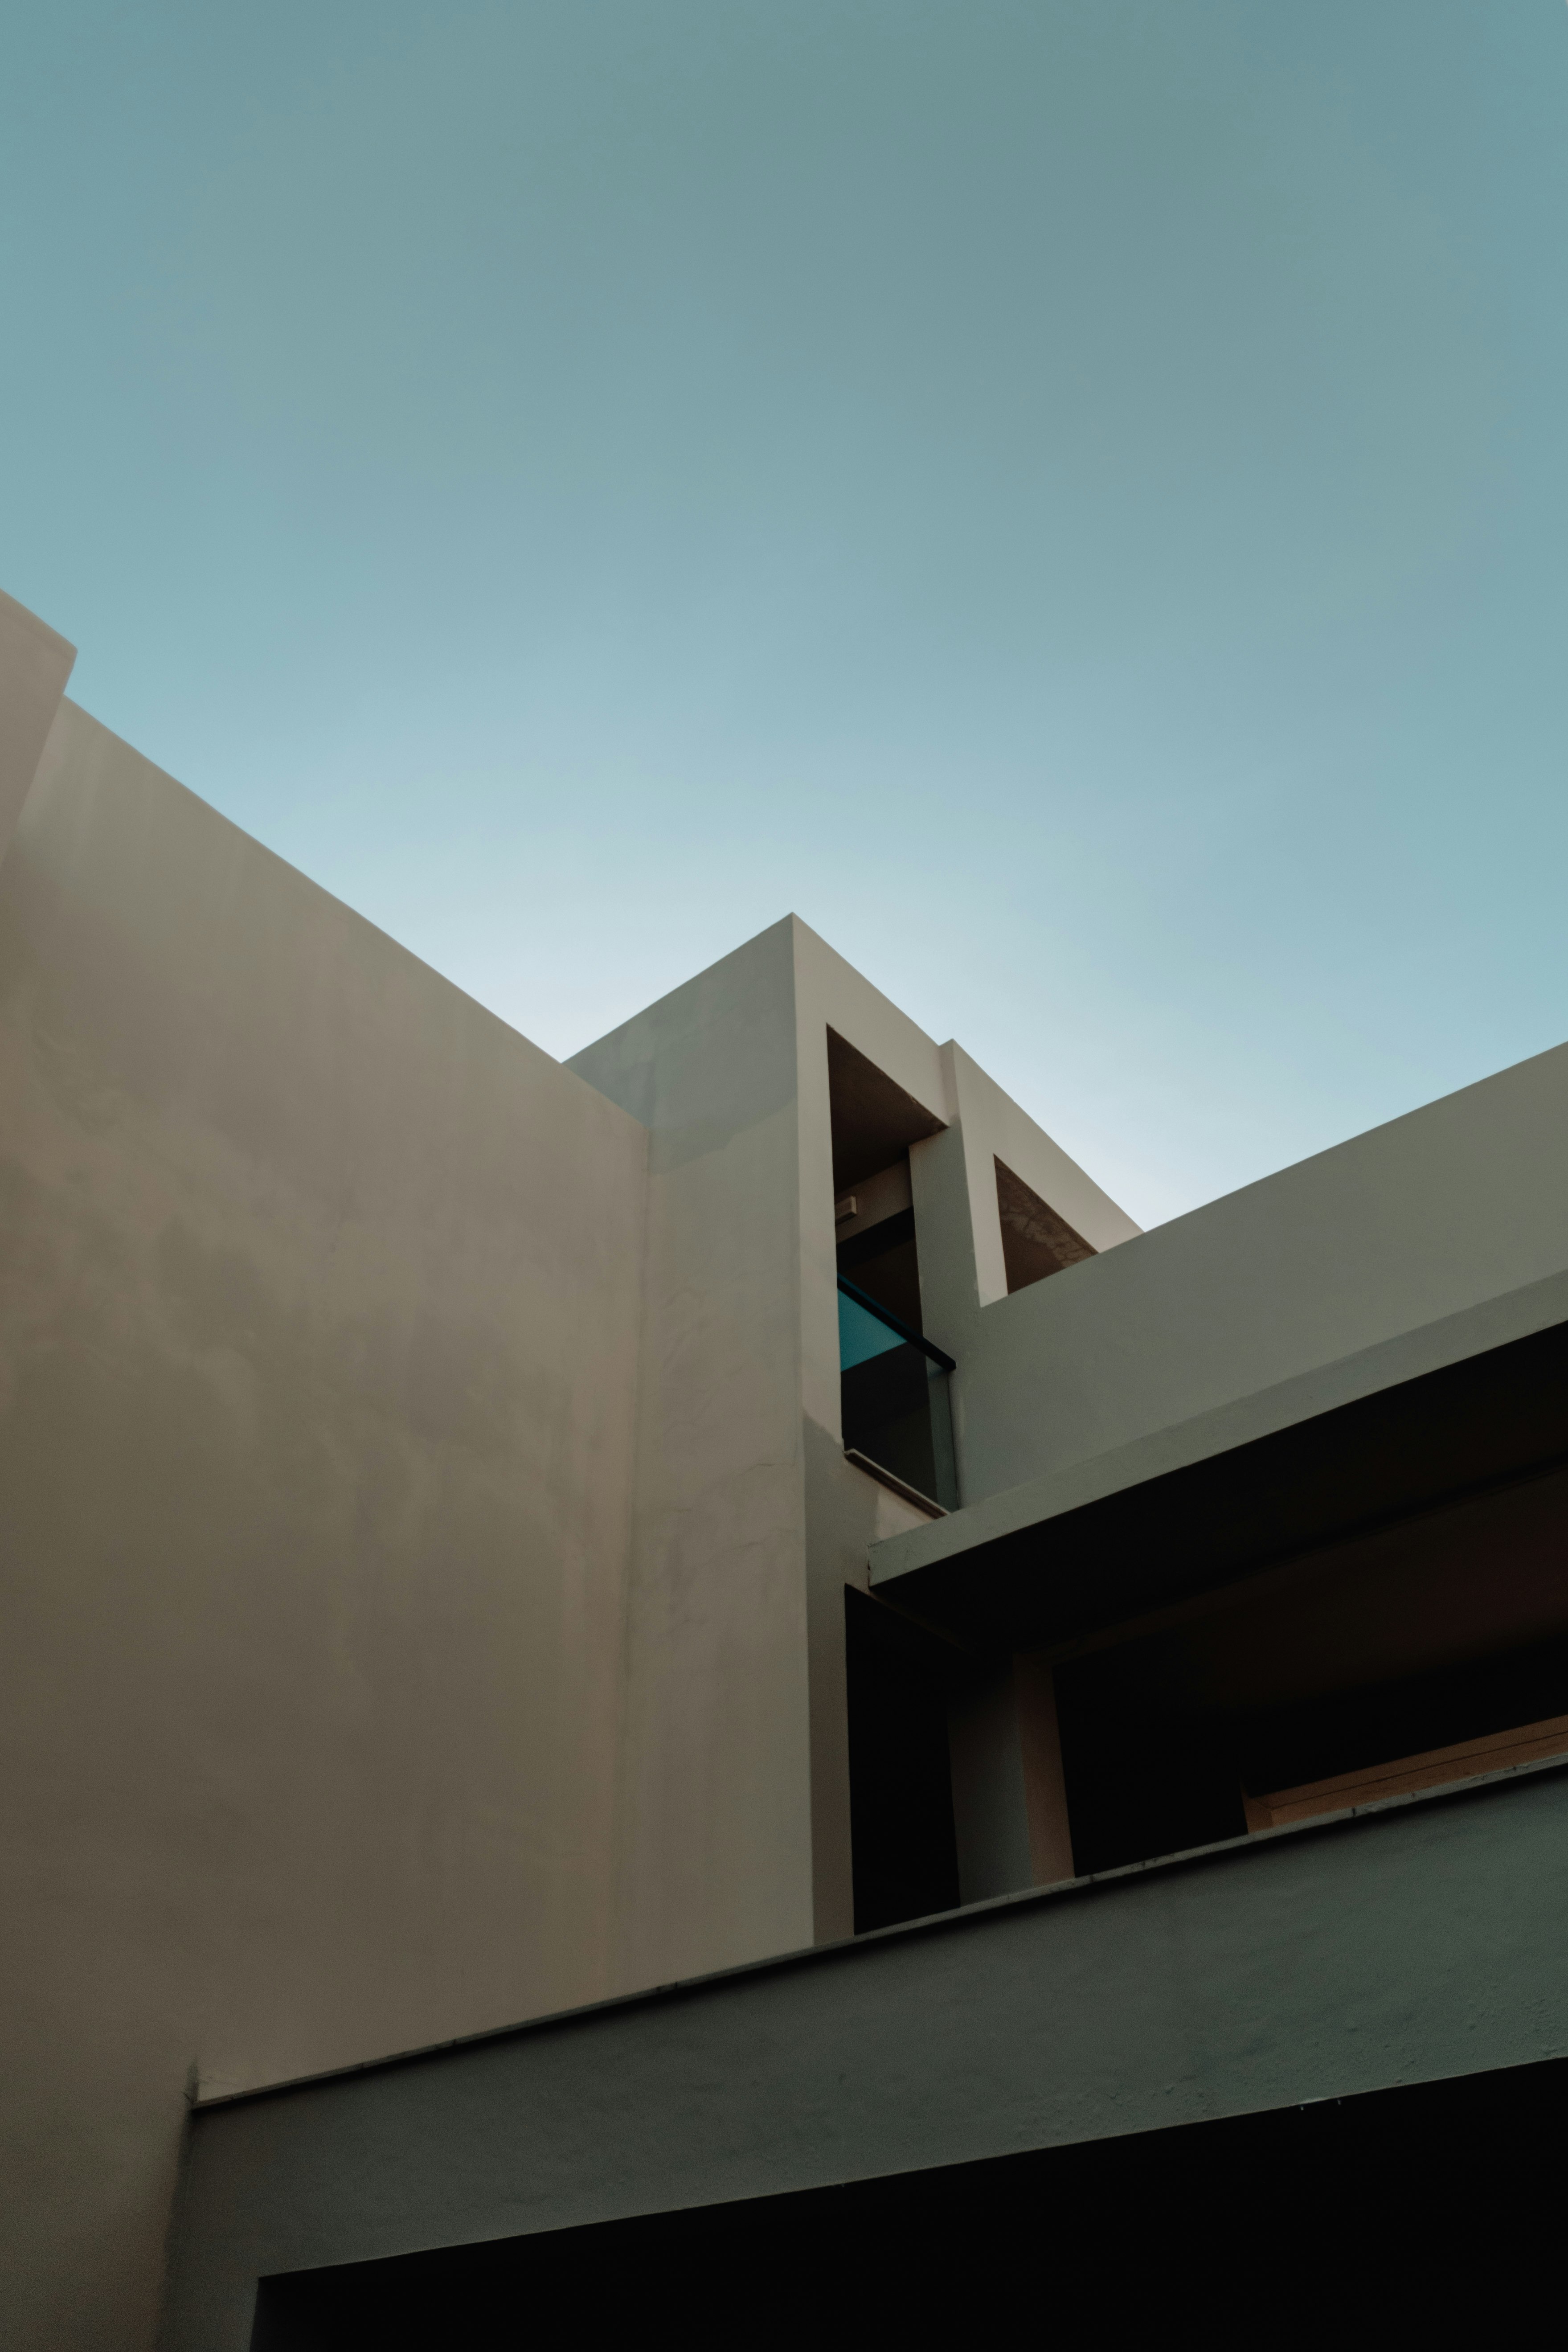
column 900, row 1771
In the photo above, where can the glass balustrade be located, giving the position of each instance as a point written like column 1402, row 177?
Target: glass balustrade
column 897, row 1417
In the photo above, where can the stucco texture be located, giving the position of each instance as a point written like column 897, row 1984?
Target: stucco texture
column 318, row 1354
column 1414, row 1942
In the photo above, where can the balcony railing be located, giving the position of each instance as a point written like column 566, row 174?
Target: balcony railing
column 897, row 1416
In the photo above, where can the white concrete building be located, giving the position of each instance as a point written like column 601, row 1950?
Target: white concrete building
column 484, row 1537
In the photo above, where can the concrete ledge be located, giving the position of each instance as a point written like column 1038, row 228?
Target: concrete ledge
column 1383, row 1415
column 1419, row 1939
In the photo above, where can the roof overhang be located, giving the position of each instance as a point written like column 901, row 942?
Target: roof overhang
column 1479, row 1399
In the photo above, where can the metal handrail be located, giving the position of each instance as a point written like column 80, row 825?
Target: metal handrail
column 895, row 1323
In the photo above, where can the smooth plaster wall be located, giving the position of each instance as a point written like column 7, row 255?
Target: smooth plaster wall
column 317, row 1355
column 734, row 1796
column 1421, row 1940
column 1458, row 1202
column 715, row 1840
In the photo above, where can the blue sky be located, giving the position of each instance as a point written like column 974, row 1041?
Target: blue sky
column 1069, row 496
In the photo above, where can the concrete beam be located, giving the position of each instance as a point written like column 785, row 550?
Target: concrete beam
column 1419, row 1940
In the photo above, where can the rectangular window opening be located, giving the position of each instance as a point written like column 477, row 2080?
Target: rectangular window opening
column 897, row 1419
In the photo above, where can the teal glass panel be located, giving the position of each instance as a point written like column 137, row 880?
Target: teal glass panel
column 860, row 1335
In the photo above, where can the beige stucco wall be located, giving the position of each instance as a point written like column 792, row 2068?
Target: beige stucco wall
column 318, row 1358
column 749, row 1521
column 423, row 1515
column 715, row 1837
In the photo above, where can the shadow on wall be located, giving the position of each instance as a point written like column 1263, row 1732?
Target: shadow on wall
column 1102, row 2235
column 1035, row 1241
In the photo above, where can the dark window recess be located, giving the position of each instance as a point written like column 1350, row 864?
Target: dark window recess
column 900, row 1776
column 1144, row 1775
column 884, row 1263
column 1280, row 1747
column 1035, row 1241
column 897, row 1418
column 873, row 1119
column 894, row 1399
column 893, row 1394
column 1149, row 1769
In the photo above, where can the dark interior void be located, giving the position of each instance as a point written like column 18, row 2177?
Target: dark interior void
column 1494, row 1417
column 1392, row 2215
column 1141, row 1777
column 1035, row 1240
column 901, row 1777
column 873, row 1119
column 886, row 1412
column 884, row 1263
column 1448, row 1627
column 890, row 1415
